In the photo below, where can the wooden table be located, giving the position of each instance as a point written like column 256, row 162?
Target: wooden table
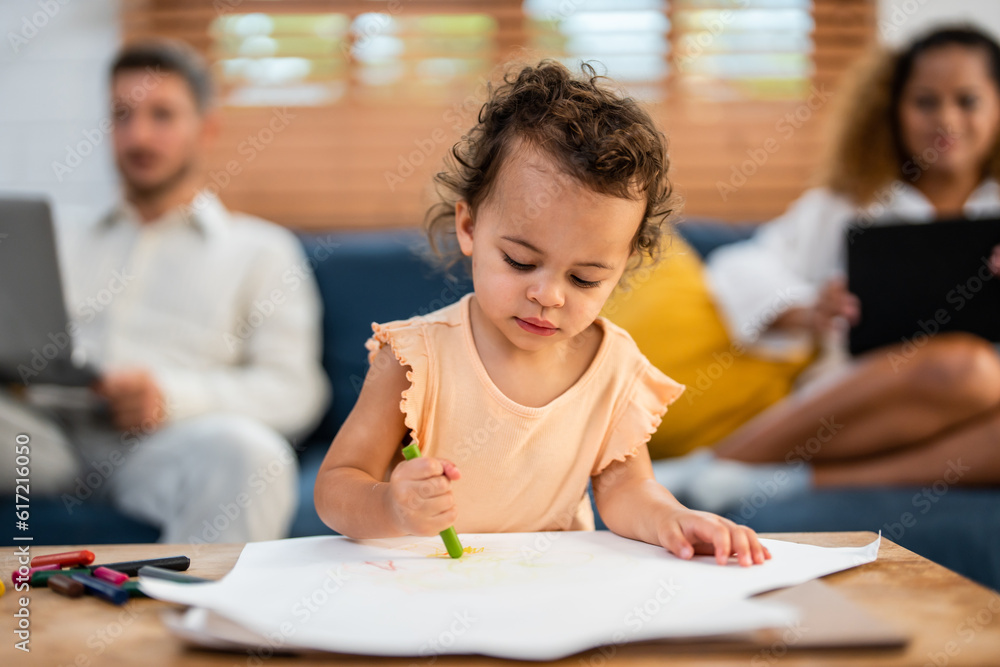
column 951, row 620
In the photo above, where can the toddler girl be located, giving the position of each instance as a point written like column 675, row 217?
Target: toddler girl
column 519, row 394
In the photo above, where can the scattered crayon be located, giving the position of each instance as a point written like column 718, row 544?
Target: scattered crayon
column 63, row 585
column 66, row 559
column 133, row 590
column 17, row 577
column 41, row 579
column 111, row 576
column 102, row 589
column 131, row 567
column 169, row 575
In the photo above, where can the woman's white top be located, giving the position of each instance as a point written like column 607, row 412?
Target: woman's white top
column 788, row 260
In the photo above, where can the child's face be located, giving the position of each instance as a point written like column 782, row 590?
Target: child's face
column 546, row 251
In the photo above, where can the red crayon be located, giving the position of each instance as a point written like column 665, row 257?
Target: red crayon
column 67, row 559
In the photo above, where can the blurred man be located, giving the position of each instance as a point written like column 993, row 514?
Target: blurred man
column 204, row 323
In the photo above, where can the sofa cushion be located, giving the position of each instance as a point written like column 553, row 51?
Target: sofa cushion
column 367, row 277
column 706, row 236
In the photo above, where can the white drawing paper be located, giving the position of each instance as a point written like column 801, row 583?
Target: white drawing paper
column 529, row 596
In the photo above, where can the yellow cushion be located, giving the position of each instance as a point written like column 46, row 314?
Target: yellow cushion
column 670, row 314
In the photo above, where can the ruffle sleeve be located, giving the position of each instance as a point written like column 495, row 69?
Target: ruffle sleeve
column 640, row 415
column 408, row 343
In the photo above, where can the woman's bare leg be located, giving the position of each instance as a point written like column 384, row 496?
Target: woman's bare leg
column 967, row 456
column 886, row 403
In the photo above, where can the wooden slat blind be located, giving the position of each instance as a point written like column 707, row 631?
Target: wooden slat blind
column 363, row 156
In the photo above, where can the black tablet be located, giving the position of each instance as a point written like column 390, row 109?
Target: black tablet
column 917, row 280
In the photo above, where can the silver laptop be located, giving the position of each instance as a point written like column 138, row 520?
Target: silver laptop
column 36, row 342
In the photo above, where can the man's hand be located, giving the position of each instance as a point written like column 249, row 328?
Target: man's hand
column 134, row 398
column 420, row 497
column 834, row 301
column 685, row 532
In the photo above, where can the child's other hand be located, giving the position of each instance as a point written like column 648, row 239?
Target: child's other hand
column 420, row 497
column 685, row 532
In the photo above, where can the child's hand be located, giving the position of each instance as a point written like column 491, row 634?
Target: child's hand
column 685, row 532
column 420, row 497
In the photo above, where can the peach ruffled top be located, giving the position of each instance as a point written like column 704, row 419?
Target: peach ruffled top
column 523, row 468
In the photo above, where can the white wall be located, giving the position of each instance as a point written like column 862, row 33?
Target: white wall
column 901, row 20
column 54, row 56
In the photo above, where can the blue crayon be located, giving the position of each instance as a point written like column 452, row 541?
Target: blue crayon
column 102, row 589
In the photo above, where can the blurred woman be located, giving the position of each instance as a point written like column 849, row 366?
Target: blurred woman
column 918, row 140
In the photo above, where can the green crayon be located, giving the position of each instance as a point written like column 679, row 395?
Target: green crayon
column 40, row 579
column 450, row 537
column 132, row 588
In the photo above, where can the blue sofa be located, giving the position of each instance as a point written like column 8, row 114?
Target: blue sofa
column 378, row 276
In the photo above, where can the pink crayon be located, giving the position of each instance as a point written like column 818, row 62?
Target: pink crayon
column 111, row 576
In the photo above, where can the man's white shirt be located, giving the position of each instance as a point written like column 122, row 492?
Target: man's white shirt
column 222, row 308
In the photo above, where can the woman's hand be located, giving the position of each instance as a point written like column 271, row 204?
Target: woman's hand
column 420, row 498
column 684, row 533
column 995, row 261
column 834, row 301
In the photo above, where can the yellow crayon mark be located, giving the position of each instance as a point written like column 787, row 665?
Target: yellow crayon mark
column 442, row 553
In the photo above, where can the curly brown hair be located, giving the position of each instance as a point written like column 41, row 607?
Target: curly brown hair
column 865, row 153
column 596, row 135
